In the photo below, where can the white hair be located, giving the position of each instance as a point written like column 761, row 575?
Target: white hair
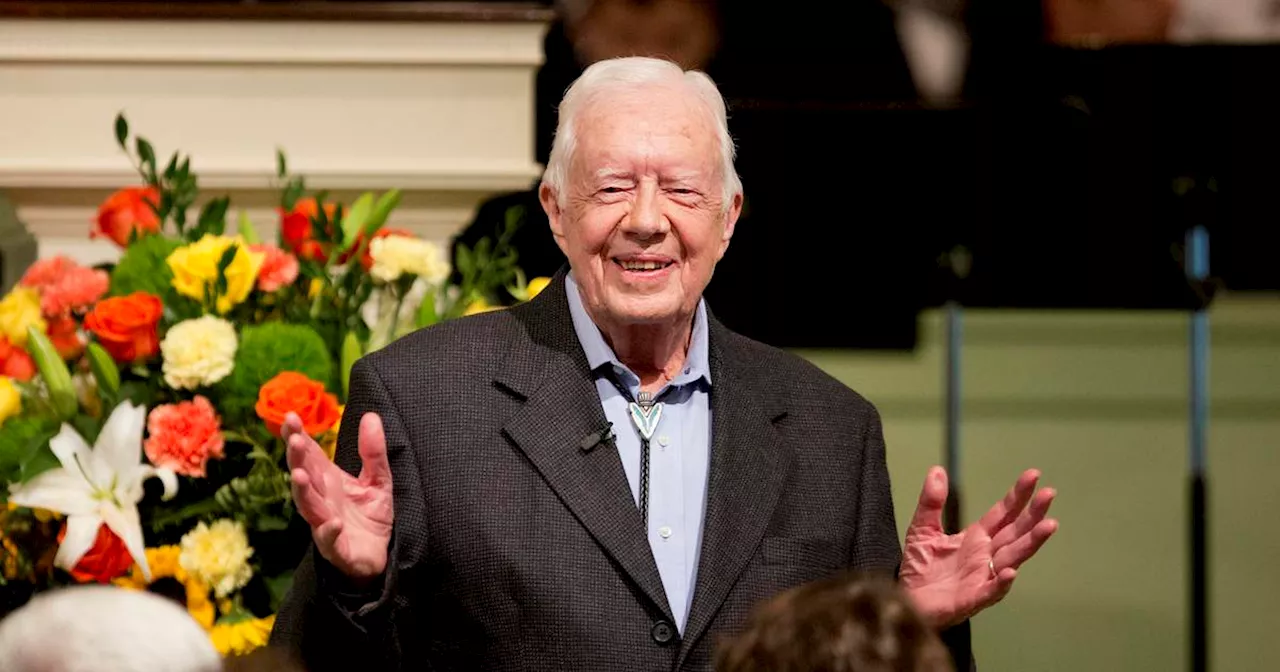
column 622, row 74
column 83, row 628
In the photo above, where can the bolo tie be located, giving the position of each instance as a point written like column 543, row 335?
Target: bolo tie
column 646, row 413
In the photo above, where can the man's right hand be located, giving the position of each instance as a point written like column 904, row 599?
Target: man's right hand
column 350, row 517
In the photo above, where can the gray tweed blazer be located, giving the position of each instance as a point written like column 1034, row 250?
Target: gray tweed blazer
column 516, row 547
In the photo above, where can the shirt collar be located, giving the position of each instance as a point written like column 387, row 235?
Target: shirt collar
column 696, row 365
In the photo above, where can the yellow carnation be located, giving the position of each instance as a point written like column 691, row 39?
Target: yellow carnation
column 195, row 267
column 19, row 310
column 241, row 637
column 198, row 352
column 394, row 256
column 10, row 399
column 218, row 555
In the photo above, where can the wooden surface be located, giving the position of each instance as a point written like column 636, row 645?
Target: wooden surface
column 304, row 10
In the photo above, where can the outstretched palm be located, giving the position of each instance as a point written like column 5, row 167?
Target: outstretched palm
column 951, row 577
column 350, row 517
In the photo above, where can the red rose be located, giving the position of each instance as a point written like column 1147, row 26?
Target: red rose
column 126, row 326
column 107, row 559
column 126, row 211
column 295, row 230
column 65, row 335
column 15, row 362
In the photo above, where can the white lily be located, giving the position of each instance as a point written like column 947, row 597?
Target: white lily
column 96, row 486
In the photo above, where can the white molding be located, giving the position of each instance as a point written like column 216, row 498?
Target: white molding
column 239, row 42
column 487, row 177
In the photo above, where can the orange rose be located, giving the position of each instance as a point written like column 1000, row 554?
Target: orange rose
column 295, row 230
column 126, row 211
column 126, row 326
column 107, row 559
column 292, row 391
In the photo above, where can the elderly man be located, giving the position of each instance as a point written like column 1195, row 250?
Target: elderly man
column 606, row 478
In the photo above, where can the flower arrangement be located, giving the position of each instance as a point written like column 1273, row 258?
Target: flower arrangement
column 141, row 402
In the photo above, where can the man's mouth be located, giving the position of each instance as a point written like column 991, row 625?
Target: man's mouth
column 641, row 264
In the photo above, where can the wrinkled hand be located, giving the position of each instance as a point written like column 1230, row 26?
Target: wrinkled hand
column 350, row 518
column 952, row 577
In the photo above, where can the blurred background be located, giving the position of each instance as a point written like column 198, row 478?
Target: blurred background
column 1020, row 176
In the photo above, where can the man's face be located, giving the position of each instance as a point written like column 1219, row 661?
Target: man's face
column 644, row 221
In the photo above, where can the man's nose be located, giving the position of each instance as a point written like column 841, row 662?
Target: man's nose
column 646, row 219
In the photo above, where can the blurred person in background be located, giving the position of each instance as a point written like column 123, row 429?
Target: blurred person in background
column 800, row 53
column 104, row 628
column 846, row 623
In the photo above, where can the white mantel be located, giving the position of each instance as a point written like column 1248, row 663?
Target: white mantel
column 441, row 109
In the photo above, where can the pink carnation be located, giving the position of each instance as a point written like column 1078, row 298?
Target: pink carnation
column 279, row 268
column 64, row 285
column 183, row 436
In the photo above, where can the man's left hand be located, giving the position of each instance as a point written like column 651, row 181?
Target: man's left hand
column 951, row 577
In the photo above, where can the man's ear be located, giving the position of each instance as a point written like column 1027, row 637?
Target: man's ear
column 730, row 223
column 551, row 205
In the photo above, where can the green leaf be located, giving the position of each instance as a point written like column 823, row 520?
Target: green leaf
column 104, row 370
column 148, row 157
column 354, row 222
column 282, row 165
column 466, row 264
column 220, row 286
column 351, row 351
column 245, row 228
column 382, row 211
column 292, row 194
column 122, row 130
column 170, row 169
column 277, row 588
column 213, row 217
column 427, row 314
column 38, row 460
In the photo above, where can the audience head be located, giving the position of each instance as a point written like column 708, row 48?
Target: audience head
column 848, row 623
column 85, row 628
column 640, row 190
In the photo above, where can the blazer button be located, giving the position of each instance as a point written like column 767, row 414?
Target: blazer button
column 662, row 632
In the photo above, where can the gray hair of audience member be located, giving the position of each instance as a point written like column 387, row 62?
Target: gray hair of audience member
column 627, row 75
column 83, row 628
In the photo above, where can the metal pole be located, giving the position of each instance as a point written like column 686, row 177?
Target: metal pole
column 954, row 332
column 1198, row 272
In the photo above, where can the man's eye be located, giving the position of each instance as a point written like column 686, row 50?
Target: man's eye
column 611, row 190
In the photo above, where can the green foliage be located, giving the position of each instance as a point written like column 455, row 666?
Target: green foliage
column 260, row 500
column 265, row 351
column 487, row 269
column 143, row 267
column 24, row 448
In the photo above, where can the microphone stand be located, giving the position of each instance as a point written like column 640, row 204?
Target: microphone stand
column 958, row 262
column 1197, row 265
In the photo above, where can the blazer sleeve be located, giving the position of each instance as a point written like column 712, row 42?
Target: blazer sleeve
column 876, row 546
column 328, row 621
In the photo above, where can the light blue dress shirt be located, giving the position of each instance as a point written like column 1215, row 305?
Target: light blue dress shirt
column 679, row 452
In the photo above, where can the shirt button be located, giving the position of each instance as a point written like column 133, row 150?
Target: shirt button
column 662, row 632
column 664, row 440
column 664, row 532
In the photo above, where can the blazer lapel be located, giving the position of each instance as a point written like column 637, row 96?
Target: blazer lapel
column 550, row 374
column 749, row 463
